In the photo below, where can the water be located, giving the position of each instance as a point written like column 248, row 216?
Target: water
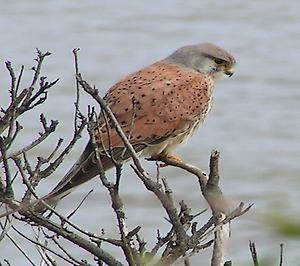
column 254, row 122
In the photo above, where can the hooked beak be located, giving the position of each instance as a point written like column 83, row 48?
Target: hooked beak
column 229, row 73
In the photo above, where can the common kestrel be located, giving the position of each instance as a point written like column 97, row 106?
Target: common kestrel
column 158, row 107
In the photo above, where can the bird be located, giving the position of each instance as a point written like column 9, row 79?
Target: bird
column 158, row 107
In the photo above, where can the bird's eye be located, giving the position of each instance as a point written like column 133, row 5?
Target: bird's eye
column 218, row 61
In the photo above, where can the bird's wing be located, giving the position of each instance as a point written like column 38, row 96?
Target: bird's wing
column 153, row 104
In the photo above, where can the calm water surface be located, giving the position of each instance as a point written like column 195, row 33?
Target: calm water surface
column 254, row 122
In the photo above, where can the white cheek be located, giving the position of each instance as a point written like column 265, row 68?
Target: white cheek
column 208, row 68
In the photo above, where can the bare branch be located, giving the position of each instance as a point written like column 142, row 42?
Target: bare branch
column 43, row 135
column 281, row 255
column 253, row 253
column 27, row 99
column 13, row 80
column 117, row 203
column 37, row 243
column 77, row 135
column 75, row 53
column 37, row 70
column 220, row 247
column 19, row 79
column 8, row 191
column 65, row 251
column 5, row 227
column 20, row 249
column 79, row 205
column 188, row 167
column 10, row 114
column 74, row 238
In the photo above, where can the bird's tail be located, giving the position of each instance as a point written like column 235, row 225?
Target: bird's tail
column 82, row 171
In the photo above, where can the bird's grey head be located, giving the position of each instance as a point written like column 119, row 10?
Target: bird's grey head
column 206, row 58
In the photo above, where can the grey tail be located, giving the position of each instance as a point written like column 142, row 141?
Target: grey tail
column 82, row 171
column 85, row 168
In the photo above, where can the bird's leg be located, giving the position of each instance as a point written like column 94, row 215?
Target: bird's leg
column 164, row 155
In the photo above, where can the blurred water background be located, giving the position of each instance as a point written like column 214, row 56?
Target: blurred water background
column 254, row 122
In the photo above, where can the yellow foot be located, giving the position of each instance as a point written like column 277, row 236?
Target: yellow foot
column 162, row 156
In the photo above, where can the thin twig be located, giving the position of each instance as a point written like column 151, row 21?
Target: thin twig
column 253, row 253
column 75, row 53
column 26, row 100
column 37, row 70
column 72, row 237
column 40, row 139
column 76, row 136
column 5, row 227
column 281, row 255
column 133, row 115
column 8, row 187
column 79, row 205
column 187, row 167
column 66, row 252
column 20, row 249
column 39, row 244
column 19, row 79
column 13, row 80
